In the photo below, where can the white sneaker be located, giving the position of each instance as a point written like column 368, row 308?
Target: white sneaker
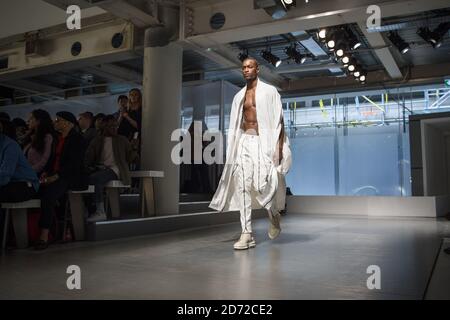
column 245, row 241
column 98, row 216
column 274, row 226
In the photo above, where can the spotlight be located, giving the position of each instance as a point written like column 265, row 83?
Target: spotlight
column 362, row 76
column 322, row 34
column 401, row 45
column 431, row 37
column 440, row 32
column 271, row 58
column 345, row 60
column 357, row 73
column 243, row 55
column 295, row 55
column 331, row 44
column 277, row 9
column 354, row 43
column 340, row 52
column 351, row 66
column 330, row 39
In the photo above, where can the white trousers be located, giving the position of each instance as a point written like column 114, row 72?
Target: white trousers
column 250, row 175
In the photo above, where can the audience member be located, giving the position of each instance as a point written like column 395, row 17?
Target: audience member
column 108, row 158
column 122, row 101
column 40, row 140
column 18, row 181
column 66, row 172
column 86, row 123
column 21, row 130
column 130, row 119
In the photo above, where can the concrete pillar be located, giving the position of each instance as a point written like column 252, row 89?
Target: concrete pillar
column 160, row 116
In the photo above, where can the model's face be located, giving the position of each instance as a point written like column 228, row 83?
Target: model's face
column 250, row 69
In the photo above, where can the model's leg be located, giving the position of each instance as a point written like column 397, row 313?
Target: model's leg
column 243, row 176
column 274, row 226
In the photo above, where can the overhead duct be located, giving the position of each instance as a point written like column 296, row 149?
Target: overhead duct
column 162, row 35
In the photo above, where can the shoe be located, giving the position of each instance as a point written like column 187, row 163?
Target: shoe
column 41, row 245
column 245, row 241
column 98, row 216
column 274, row 227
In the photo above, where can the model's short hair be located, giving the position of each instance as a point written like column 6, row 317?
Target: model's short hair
column 251, row 58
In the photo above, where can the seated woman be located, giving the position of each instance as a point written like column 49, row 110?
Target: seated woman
column 108, row 158
column 18, row 181
column 39, row 145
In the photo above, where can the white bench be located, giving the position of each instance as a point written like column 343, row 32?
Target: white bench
column 112, row 196
column 147, row 191
column 19, row 219
column 77, row 206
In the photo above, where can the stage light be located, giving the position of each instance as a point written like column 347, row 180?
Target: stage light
column 351, row 67
column 362, row 78
column 429, row 36
column 340, row 52
column 294, row 54
column 322, row 34
column 271, row 58
column 331, row 44
column 440, row 32
column 243, row 55
column 277, row 9
column 345, row 60
column 354, row 44
column 357, row 73
column 401, row 45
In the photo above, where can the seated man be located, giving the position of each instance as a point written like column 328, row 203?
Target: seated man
column 66, row 172
column 86, row 123
column 18, row 181
column 108, row 158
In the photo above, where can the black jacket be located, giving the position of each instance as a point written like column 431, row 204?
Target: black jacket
column 71, row 166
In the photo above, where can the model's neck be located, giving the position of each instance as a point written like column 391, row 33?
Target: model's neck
column 251, row 84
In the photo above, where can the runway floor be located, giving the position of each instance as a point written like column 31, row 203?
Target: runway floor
column 315, row 257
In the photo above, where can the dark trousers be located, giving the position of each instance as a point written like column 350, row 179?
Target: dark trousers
column 99, row 179
column 49, row 196
column 16, row 191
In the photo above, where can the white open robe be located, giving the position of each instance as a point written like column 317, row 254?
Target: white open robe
column 269, row 113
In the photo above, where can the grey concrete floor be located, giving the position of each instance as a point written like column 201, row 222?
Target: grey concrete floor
column 315, row 257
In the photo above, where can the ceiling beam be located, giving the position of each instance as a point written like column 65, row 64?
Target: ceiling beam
column 243, row 22
column 116, row 73
column 227, row 57
column 417, row 75
column 140, row 17
column 375, row 39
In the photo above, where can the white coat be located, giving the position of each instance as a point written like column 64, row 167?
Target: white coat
column 269, row 113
